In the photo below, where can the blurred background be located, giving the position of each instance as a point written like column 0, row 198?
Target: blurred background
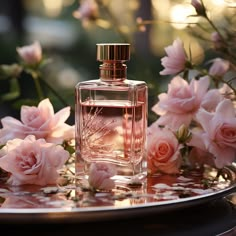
column 68, row 31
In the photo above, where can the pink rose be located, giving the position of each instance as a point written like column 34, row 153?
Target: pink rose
column 163, row 151
column 218, row 134
column 31, row 54
column 175, row 60
column 227, row 92
column 211, row 99
column 179, row 105
column 39, row 121
column 219, row 67
column 32, row 161
column 100, row 176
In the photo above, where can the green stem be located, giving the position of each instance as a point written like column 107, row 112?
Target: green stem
column 57, row 95
column 230, row 85
column 213, row 26
column 224, row 42
column 37, row 85
column 216, row 81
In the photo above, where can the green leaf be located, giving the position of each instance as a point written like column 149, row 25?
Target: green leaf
column 10, row 71
column 45, row 62
column 14, row 91
column 70, row 149
column 27, row 102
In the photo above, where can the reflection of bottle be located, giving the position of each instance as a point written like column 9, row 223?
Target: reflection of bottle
column 111, row 116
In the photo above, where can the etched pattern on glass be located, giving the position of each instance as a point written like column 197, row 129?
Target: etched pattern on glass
column 111, row 132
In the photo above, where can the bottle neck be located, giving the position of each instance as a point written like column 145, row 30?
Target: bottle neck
column 113, row 71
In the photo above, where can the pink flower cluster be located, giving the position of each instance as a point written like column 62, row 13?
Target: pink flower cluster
column 32, row 153
column 32, row 161
column 31, row 54
column 217, row 135
column 100, row 176
column 208, row 114
column 39, row 121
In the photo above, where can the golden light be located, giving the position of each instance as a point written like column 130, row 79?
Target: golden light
column 53, row 8
column 162, row 8
column 218, row 3
column 179, row 16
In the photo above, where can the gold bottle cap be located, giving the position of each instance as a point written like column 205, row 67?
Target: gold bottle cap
column 113, row 51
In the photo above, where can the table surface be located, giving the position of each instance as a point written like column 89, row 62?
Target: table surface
column 48, row 211
column 217, row 217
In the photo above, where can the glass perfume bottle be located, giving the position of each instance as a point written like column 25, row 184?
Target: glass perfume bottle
column 111, row 116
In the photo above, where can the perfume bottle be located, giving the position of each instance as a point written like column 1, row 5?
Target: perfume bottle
column 111, row 116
